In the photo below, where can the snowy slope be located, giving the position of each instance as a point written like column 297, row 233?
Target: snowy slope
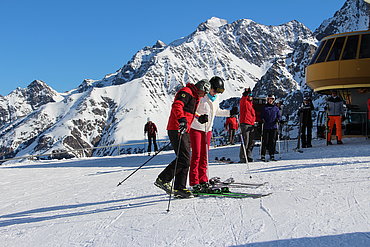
column 320, row 198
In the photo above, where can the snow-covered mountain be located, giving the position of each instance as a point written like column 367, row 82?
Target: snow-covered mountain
column 22, row 102
column 270, row 59
column 353, row 16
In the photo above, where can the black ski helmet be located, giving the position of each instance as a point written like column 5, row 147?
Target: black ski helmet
column 203, row 85
column 217, row 84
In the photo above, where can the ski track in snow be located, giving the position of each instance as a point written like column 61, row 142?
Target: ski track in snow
column 320, row 198
column 271, row 217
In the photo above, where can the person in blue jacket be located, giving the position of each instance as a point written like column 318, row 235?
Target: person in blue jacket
column 270, row 117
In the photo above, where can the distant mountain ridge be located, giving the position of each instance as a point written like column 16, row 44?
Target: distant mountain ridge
column 269, row 59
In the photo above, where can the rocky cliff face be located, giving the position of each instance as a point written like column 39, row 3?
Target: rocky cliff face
column 21, row 102
column 353, row 16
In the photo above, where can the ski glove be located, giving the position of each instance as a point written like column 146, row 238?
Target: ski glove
column 203, row 119
column 183, row 125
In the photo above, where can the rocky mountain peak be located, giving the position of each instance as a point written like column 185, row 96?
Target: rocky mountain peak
column 39, row 93
column 353, row 16
column 37, row 84
column 159, row 44
column 212, row 23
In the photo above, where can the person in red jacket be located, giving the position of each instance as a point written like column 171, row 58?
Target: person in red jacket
column 247, row 120
column 232, row 125
column 182, row 115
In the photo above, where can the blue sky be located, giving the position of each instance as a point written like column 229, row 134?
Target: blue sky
column 64, row 42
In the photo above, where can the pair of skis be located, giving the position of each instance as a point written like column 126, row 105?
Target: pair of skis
column 220, row 188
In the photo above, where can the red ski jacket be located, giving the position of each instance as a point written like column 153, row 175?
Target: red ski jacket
column 184, row 106
column 231, row 123
column 150, row 128
column 247, row 113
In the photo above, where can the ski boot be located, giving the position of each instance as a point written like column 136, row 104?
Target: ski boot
column 183, row 194
column 164, row 186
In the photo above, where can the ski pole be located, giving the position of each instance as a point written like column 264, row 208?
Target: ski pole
column 143, row 164
column 327, row 128
column 298, row 148
column 288, row 134
column 174, row 172
column 278, row 139
column 286, row 138
column 145, row 140
column 206, row 140
column 261, row 139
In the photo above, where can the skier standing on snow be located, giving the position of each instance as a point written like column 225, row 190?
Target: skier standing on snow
column 232, row 125
column 306, row 126
column 247, row 121
column 270, row 117
column 201, row 133
column 280, row 105
column 178, row 128
column 335, row 109
column 151, row 129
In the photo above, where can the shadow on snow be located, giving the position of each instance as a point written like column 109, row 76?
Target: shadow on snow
column 29, row 216
column 355, row 239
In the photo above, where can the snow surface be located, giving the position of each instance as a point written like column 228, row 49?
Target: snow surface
column 320, row 198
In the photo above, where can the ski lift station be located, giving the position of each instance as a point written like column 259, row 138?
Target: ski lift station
column 342, row 63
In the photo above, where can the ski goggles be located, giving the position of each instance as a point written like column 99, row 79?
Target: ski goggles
column 220, row 90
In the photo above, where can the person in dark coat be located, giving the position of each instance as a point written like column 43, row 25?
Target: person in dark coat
column 181, row 117
column 270, row 117
column 151, row 130
column 305, row 115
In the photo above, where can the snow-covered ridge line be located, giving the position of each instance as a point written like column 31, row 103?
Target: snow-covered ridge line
column 270, row 59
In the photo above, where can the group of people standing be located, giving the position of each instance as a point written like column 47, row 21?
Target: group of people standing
column 190, row 128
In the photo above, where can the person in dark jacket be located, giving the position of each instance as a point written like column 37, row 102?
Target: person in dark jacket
column 151, row 130
column 335, row 110
column 305, row 115
column 270, row 117
column 182, row 115
column 247, row 121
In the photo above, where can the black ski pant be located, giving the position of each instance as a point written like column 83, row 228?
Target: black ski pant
column 154, row 140
column 183, row 160
column 247, row 132
column 306, row 135
column 269, row 142
column 232, row 136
